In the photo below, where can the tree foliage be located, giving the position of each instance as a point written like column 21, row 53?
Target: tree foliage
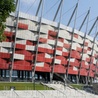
column 6, row 7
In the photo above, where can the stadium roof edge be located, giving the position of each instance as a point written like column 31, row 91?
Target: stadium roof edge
column 52, row 23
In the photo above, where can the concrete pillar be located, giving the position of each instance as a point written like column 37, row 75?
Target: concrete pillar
column 86, row 80
column 65, row 81
column 91, row 80
column 10, row 75
column 51, row 77
column 77, row 79
column 33, row 77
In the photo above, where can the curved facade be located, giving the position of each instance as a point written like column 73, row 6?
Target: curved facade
column 40, row 48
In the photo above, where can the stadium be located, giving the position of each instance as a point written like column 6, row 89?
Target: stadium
column 39, row 49
column 43, row 58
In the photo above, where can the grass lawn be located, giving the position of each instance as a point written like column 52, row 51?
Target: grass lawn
column 22, row 86
column 79, row 86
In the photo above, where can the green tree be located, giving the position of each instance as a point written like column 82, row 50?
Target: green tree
column 6, row 7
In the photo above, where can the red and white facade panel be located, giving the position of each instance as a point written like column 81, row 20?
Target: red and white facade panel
column 26, row 45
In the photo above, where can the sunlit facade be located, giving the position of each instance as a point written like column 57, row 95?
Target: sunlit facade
column 33, row 47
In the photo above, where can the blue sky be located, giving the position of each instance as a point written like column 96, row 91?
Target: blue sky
column 30, row 7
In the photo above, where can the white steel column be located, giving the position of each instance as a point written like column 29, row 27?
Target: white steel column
column 16, row 29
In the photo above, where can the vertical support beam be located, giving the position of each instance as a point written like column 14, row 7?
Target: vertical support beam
column 56, row 41
column 77, row 79
column 86, row 80
column 96, row 67
column 16, row 29
column 72, row 14
column 40, row 23
column 70, row 50
column 38, row 7
column 96, row 64
column 65, row 82
column 92, row 26
column 83, row 46
column 25, row 74
column 84, row 19
column 57, row 10
column 16, row 2
column 92, row 55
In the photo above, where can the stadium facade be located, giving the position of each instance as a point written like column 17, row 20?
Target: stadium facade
column 37, row 50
